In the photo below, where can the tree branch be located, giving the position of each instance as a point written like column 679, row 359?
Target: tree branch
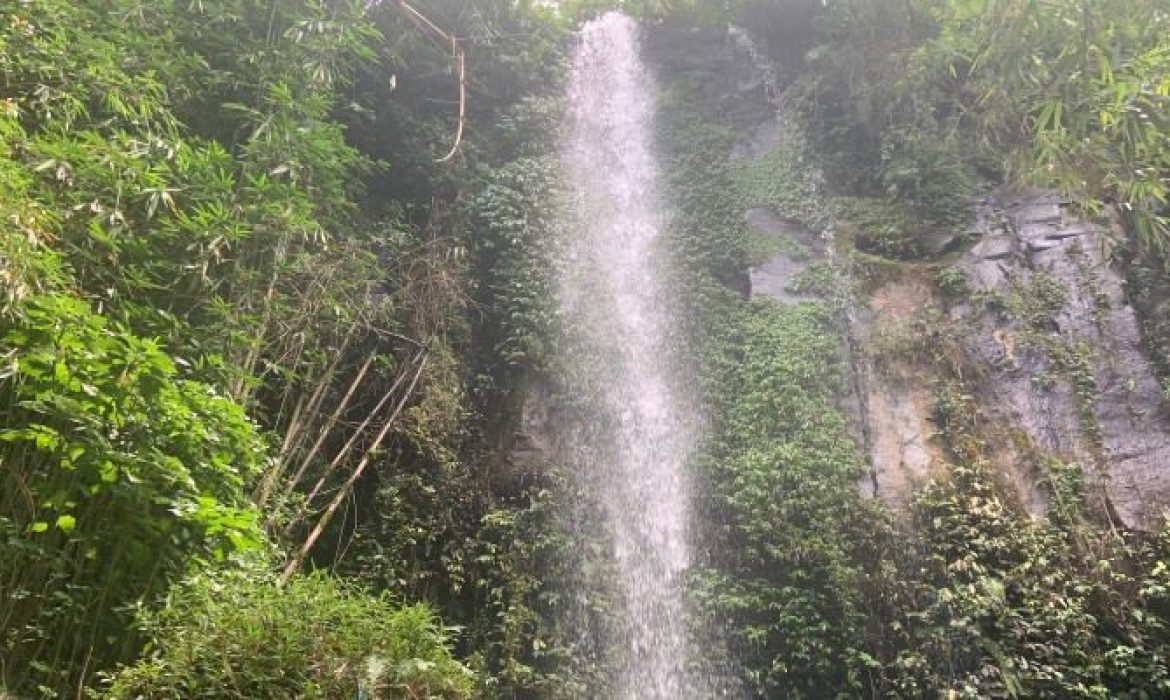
column 458, row 55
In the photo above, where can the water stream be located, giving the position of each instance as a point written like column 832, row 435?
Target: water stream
column 612, row 291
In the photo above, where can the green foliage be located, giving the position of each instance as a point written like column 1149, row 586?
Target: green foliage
column 1149, row 288
column 784, row 474
column 916, row 95
column 785, row 529
column 708, row 239
column 995, row 606
column 517, row 210
column 851, row 89
column 952, row 283
column 878, row 135
column 815, row 596
column 225, row 208
column 985, row 599
column 116, row 473
column 495, row 568
column 128, row 215
column 1066, row 483
column 779, row 182
column 241, row 635
column 927, row 176
column 251, row 185
column 882, row 227
column 1072, row 88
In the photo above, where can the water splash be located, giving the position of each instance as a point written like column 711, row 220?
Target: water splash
column 612, row 297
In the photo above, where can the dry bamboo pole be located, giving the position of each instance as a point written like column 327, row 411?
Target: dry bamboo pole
column 356, row 474
column 335, row 463
column 287, row 394
column 294, row 433
column 324, row 433
column 241, row 392
column 307, row 460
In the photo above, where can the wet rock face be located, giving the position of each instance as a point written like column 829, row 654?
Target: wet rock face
column 895, row 402
column 524, row 454
column 722, row 73
column 774, row 278
column 1065, row 363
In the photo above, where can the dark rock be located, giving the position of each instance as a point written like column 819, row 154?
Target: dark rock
column 942, row 242
column 1071, row 231
column 1041, row 244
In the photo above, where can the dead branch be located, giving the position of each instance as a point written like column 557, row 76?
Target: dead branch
column 458, row 56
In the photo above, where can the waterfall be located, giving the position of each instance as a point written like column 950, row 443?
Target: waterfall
column 612, row 296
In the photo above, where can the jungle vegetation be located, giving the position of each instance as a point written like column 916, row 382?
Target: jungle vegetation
column 273, row 284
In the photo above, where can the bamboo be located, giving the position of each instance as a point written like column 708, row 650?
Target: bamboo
column 337, row 459
column 356, row 474
column 325, row 431
column 296, row 427
column 330, row 422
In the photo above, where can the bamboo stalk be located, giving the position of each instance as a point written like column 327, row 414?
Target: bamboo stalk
column 264, row 488
column 356, row 474
column 341, row 455
column 241, row 392
column 332, row 421
column 293, row 434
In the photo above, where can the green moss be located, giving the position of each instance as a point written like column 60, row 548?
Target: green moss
column 868, row 272
column 819, row 279
column 882, row 227
column 1036, row 304
column 783, row 182
column 952, row 283
column 1066, row 486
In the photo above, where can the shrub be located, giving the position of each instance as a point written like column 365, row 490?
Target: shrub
column 241, row 635
column 116, row 473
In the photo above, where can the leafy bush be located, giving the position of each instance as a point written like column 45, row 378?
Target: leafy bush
column 786, row 578
column 928, row 174
column 116, row 471
column 241, row 635
column 991, row 605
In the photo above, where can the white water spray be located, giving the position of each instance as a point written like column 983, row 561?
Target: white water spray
column 612, row 295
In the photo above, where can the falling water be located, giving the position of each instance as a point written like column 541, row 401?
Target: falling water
column 612, row 293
